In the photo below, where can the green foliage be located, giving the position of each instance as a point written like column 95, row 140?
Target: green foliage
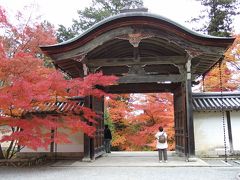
column 134, row 128
column 217, row 16
column 63, row 33
column 108, row 121
column 97, row 11
column 47, row 62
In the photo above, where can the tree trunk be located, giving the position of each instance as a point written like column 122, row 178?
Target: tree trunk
column 1, row 153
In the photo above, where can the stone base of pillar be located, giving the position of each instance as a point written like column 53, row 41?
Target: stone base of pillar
column 86, row 159
column 192, row 159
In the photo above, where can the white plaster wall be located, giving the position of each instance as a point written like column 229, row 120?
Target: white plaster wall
column 38, row 150
column 76, row 145
column 2, row 133
column 235, row 122
column 208, row 132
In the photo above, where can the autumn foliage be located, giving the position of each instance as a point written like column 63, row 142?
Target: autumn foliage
column 228, row 71
column 26, row 35
column 135, row 119
column 213, row 82
column 28, row 89
column 30, row 92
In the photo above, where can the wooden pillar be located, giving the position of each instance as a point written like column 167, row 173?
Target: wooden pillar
column 189, row 109
column 229, row 131
column 87, row 140
column 52, row 143
column 1, row 153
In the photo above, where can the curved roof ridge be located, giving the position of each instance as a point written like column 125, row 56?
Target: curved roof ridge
column 139, row 14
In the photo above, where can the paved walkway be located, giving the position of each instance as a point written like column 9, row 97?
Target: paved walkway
column 126, row 166
column 141, row 159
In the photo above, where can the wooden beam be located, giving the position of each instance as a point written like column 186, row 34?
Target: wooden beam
column 131, row 61
column 140, row 88
column 150, row 78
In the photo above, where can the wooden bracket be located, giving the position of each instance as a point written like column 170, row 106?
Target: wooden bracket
column 79, row 57
column 135, row 38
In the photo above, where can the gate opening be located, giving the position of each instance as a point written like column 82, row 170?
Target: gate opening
column 134, row 120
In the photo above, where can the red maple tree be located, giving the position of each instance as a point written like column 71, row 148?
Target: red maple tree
column 157, row 110
column 27, row 88
column 137, row 117
column 118, row 118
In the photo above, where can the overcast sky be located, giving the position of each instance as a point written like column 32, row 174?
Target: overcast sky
column 63, row 11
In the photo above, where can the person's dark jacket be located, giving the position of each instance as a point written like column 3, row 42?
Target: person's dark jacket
column 107, row 134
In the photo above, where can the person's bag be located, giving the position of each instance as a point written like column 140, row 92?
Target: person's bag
column 162, row 138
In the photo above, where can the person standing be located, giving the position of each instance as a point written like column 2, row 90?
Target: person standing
column 107, row 139
column 162, row 145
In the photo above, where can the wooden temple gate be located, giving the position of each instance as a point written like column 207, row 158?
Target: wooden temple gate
column 149, row 54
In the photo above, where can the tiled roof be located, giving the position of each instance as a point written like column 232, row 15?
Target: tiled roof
column 211, row 101
column 60, row 106
column 57, row 107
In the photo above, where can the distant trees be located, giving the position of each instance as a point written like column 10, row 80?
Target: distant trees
column 230, row 80
column 135, row 119
column 97, row 11
column 216, row 17
column 213, row 83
